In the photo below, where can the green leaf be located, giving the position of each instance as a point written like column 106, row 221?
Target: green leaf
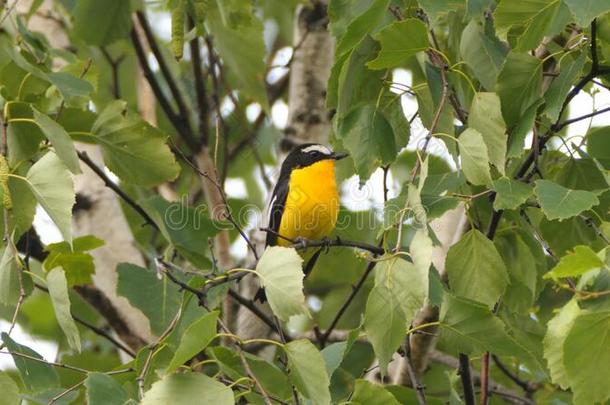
column 558, row 202
column 510, row 194
column 399, row 41
column 186, row 388
column 407, row 282
column 193, row 340
column 436, row 9
column 369, row 393
column 586, row 354
column 475, row 160
column 556, row 333
column 280, row 272
column 471, row 328
column 385, row 324
column 61, row 141
column 9, row 390
column 158, row 299
column 518, row 259
column 53, row 188
column 333, row 355
column 482, row 54
column 24, row 205
column 400, row 291
column 77, row 264
column 242, row 51
column 519, row 85
column 187, row 229
column 586, row 10
column 23, row 137
column 307, row 371
column 36, row 375
column 102, row 23
column 362, row 25
column 58, row 290
column 8, row 276
column 476, row 269
column 421, row 252
column 560, row 87
column 133, row 149
column 357, row 85
column 598, row 145
column 521, row 129
column 535, row 17
column 369, row 138
column 581, row 174
column 104, row 390
column 486, row 117
column 576, row 263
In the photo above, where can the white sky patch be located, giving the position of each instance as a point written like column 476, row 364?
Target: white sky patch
column 370, row 195
column 252, row 111
column 277, row 71
column 226, row 106
column 279, row 114
column 48, row 232
column 46, row 348
column 236, row 187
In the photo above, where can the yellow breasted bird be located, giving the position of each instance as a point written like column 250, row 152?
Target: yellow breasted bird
column 305, row 200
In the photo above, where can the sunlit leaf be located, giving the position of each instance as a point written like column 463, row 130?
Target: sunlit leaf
column 475, row 158
column 586, row 355
column 103, row 390
column 576, row 263
column 184, row 388
column 58, row 289
column 280, row 272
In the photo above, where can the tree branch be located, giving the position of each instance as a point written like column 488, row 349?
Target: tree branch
column 167, row 74
column 177, row 122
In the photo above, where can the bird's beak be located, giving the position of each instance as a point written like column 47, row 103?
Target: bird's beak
column 340, row 155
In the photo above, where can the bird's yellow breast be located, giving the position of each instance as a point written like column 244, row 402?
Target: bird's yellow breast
column 312, row 203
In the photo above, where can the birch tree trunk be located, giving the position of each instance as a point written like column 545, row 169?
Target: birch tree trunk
column 308, row 118
column 102, row 216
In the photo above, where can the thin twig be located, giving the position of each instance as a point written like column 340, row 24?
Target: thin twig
column 152, row 349
column 369, row 268
column 527, row 386
column 114, row 187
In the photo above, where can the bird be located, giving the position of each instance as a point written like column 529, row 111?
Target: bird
column 305, row 201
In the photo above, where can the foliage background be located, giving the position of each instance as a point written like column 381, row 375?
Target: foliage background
column 480, row 276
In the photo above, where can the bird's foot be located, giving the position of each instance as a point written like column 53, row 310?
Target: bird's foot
column 300, row 242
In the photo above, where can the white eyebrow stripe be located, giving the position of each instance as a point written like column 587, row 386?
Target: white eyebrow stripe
column 320, row 148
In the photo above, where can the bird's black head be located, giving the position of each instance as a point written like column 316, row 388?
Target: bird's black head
column 307, row 154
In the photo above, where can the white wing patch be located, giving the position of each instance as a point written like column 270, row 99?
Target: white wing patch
column 318, row 148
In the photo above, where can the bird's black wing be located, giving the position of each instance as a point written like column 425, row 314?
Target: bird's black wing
column 276, row 209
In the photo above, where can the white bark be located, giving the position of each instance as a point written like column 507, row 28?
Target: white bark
column 103, row 218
